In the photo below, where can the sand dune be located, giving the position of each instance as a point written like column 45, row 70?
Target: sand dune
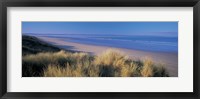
column 170, row 60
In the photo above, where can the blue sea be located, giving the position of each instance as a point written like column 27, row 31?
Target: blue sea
column 145, row 43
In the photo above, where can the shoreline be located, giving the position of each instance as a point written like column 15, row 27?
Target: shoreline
column 170, row 60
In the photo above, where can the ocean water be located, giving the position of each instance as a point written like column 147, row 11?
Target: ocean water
column 145, row 43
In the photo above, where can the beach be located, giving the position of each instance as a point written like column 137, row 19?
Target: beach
column 168, row 59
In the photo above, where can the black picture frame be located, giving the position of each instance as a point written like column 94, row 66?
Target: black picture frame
column 98, row 3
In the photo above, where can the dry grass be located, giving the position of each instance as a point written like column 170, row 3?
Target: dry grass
column 111, row 63
column 147, row 69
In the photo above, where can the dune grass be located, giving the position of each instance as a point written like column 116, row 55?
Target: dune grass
column 33, row 45
column 111, row 63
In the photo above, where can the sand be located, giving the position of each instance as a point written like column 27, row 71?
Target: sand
column 170, row 60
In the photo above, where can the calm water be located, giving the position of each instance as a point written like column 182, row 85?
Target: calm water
column 146, row 43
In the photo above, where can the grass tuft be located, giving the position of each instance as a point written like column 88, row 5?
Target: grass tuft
column 111, row 63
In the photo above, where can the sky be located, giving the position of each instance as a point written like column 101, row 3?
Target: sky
column 117, row 28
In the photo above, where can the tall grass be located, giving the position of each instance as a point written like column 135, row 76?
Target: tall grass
column 111, row 63
column 33, row 45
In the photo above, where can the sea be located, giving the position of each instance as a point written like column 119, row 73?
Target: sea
column 135, row 42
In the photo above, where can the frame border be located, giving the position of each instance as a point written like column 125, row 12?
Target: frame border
column 98, row 3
